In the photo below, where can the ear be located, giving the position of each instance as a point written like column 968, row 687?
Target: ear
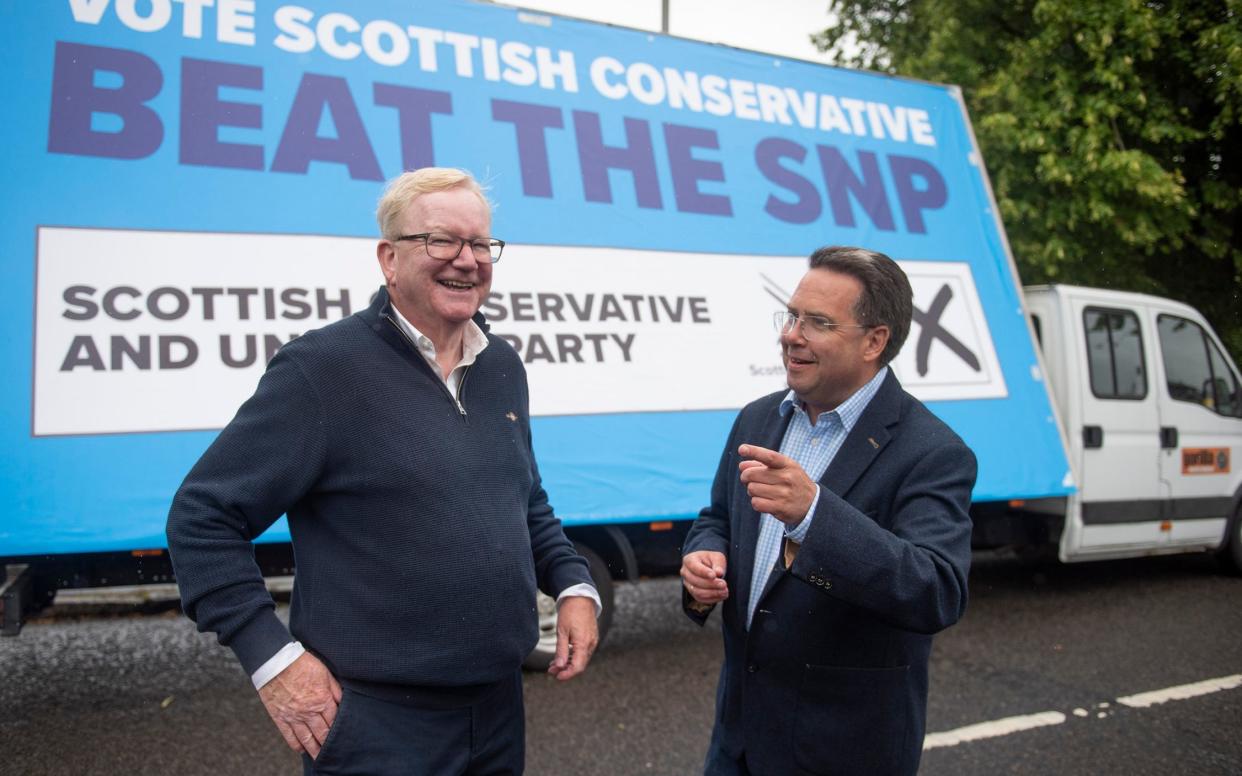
column 874, row 342
column 386, row 252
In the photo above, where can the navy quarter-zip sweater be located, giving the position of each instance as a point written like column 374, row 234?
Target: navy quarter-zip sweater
column 419, row 532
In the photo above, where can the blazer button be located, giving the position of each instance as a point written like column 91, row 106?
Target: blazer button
column 752, row 668
column 827, row 585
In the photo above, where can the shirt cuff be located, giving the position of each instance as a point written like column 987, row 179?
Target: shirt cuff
column 582, row 590
column 799, row 531
column 277, row 663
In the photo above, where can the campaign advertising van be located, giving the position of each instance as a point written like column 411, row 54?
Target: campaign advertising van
column 192, row 184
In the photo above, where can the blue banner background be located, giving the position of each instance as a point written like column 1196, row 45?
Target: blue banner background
column 94, row 493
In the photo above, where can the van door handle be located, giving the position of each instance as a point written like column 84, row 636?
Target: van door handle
column 1168, row 437
column 1092, row 436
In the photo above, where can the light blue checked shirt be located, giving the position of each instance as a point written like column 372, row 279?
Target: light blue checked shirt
column 812, row 448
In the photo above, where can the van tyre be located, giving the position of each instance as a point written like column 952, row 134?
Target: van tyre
column 1230, row 553
column 545, row 650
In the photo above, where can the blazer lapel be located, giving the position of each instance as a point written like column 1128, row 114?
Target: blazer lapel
column 866, row 440
column 768, row 434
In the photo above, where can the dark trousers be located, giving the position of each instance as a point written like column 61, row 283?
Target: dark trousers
column 425, row 733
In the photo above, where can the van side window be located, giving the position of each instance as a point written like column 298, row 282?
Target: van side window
column 1039, row 330
column 1195, row 368
column 1115, row 354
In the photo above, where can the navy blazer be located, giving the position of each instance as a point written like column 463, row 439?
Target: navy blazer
column 831, row 678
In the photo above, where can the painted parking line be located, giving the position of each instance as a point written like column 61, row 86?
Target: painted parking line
column 1181, row 692
column 992, row 729
column 1008, row 725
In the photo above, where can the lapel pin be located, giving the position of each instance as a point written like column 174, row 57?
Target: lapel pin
column 874, row 443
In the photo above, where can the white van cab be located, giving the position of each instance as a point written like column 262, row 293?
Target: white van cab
column 1151, row 404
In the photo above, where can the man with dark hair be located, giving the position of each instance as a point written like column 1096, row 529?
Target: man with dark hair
column 398, row 443
column 839, row 556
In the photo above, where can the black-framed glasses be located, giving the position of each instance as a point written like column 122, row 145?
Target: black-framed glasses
column 813, row 326
column 447, row 247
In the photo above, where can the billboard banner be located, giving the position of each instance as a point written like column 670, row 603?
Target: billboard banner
column 192, row 184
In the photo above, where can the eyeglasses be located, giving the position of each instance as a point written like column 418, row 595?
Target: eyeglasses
column 813, row 326
column 446, row 247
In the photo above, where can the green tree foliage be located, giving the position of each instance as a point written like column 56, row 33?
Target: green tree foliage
column 1112, row 130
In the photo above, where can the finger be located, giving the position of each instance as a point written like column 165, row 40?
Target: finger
column 706, row 590
column 287, row 733
column 697, row 564
column 700, row 571
column 750, row 472
column 761, row 473
column 580, row 655
column 307, row 739
column 710, row 596
column 334, row 688
column 561, row 658
column 763, row 504
column 329, row 714
column 765, row 490
column 748, row 464
column 318, row 727
column 576, row 663
column 704, row 581
column 557, row 670
column 716, row 561
column 773, row 507
column 787, row 475
column 328, row 721
column 763, row 455
column 585, row 651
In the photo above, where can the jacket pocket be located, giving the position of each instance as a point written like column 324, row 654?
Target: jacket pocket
column 852, row 720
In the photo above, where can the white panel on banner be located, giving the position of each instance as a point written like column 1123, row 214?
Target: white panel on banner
column 165, row 331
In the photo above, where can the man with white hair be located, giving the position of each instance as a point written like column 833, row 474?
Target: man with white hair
column 398, row 443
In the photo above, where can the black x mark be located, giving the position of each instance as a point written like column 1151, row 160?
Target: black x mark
column 931, row 330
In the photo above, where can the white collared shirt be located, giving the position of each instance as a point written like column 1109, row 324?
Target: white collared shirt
column 473, row 341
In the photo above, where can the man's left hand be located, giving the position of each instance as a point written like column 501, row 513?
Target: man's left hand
column 577, row 635
column 776, row 484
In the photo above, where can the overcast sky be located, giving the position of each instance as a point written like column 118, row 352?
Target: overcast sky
column 775, row 26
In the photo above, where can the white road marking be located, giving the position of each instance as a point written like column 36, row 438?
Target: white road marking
column 992, row 729
column 1008, row 725
column 1181, row 692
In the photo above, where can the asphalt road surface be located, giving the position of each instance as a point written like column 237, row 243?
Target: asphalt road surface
column 1130, row 667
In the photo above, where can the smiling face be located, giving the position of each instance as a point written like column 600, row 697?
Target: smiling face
column 438, row 297
column 829, row 367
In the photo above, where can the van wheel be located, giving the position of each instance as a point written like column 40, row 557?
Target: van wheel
column 545, row 650
column 1230, row 553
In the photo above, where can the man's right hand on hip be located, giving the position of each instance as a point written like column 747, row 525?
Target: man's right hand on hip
column 302, row 701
